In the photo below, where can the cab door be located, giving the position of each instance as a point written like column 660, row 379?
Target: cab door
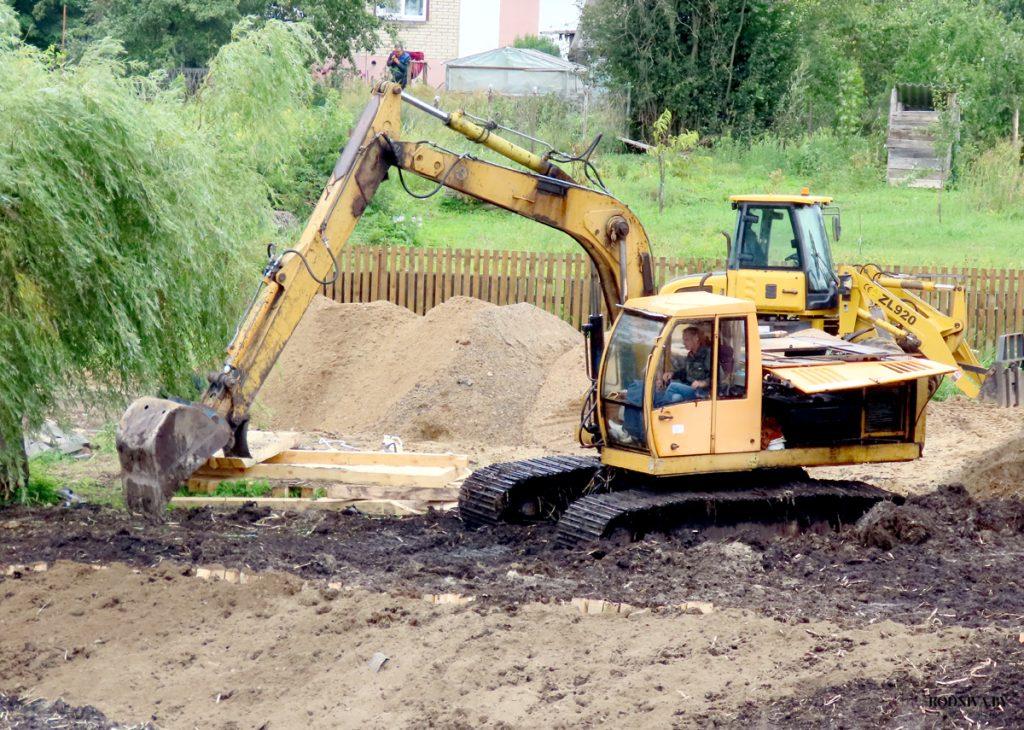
column 681, row 418
column 737, row 399
column 766, row 264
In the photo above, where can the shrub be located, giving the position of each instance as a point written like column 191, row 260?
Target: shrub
column 995, row 180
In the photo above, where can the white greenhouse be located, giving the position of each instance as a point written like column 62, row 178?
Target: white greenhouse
column 515, row 72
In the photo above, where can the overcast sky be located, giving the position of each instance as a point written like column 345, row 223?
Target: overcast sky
column 559, row 14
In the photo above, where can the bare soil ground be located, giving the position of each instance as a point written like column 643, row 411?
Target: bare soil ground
column 798, row 621
column 912, row 619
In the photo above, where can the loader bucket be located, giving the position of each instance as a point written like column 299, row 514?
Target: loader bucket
column 161, row 443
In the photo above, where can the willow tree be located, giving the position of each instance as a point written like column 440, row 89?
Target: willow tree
column 126, row 229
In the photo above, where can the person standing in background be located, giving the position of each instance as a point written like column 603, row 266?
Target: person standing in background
column 398, row 63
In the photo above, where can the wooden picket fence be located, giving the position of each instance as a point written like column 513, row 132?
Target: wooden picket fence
column 563, row 284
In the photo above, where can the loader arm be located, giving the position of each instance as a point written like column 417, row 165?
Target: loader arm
column 161, row 442
column 889, row 302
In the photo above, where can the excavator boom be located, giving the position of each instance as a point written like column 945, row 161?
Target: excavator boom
column 161, row 442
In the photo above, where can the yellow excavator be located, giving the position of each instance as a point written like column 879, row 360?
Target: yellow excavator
column 709, row 397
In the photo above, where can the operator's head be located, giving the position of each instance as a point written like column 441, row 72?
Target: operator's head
column 398, row 46
column 693, row 338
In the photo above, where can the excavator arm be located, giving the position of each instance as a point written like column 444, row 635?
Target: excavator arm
column 162, row 442
column 891, row 303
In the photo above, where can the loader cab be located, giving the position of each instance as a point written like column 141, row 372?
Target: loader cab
column 781, row 257
column 681, row 377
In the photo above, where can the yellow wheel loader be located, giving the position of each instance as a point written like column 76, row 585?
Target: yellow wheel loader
column 708, row 399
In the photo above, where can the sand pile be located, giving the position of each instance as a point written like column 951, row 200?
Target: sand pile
column 998, row 472
column 467, row 372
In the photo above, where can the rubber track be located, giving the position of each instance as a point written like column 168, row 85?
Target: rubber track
column 488, row 493
column 640, row 510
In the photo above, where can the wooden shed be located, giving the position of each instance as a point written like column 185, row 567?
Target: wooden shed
column 916, row 156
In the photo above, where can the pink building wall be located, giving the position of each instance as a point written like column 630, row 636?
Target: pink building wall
column 518, row 18
column 439, row 35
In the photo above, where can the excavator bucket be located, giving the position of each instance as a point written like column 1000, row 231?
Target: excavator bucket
column 161, row 443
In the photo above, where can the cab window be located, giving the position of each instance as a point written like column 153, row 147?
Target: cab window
column 686, row 368
column 766, row 239
column 812, row 226
column 732, row 358
column 624, row 373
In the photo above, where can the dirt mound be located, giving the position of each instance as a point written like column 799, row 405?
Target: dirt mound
column 961, row 435
column 998, row 472
column 468, row 371
column 887, row 525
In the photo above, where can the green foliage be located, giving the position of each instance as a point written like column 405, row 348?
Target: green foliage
column 10, row 29
column 746, row 66
column 122, row 227
column 558, row 121
column 254, row 99
column 716, row 64
column 669, row 149
column 995, row 181
column 538, row 43
column 392, row 218
column 242, row 488
column 344, row 25
column 170, row 33
column 40, row 489
column 266, row 112
column 41, row 21
column 851, row 102
column 953, row 45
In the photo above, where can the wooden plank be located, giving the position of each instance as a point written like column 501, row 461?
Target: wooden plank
column 476, row 276
column 298, row 504
column 350, row 458
column 417, row 476
column 506, row 282
column 1001, row 324
column 516, row 284
column 391, row 268
column 434, row 280
column 973, row 309
column 397, row 274
column 1018, row 310
column 396, row 508
column 262, row 445
column 422, row 290
column 370, row 491
column 990, row 313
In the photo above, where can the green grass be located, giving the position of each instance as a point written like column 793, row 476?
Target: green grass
column 242, row 488
column 41, row 488
column 881, row 224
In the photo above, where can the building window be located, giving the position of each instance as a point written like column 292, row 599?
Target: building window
column 402, row 9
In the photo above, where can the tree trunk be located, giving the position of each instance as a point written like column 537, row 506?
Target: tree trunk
column 661, row 179
column 13, row 466
column 732, row 54
column 695, row 48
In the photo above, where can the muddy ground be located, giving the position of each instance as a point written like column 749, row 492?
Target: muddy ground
column 806, row 629
column 914, row 620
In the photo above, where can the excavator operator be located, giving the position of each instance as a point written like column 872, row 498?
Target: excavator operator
column 692, row 379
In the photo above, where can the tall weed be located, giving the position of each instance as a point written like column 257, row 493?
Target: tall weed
column 995, row 180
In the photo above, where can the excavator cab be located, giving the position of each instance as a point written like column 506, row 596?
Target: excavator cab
column 781, row 256
column 676, row 374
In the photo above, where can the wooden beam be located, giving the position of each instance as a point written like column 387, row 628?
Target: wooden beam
column 352, row 458
column 365, row 491
column 633, row 143
column 417, row 476
column 263, row 445
column 367, row 506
